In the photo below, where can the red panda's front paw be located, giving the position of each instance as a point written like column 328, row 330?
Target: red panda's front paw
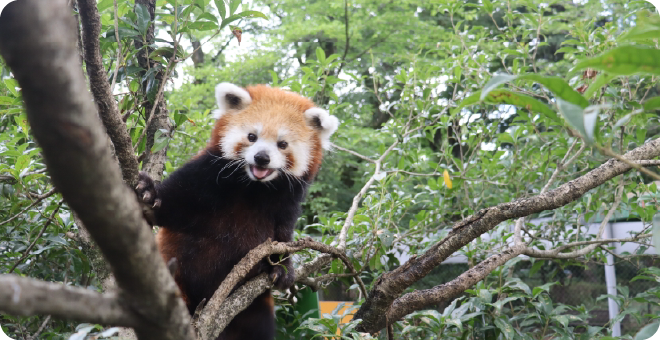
column 282, row 276
column 146, row 191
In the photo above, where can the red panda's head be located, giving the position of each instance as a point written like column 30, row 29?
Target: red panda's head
column 272, row 131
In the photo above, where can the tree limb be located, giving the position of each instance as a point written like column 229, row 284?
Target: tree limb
column 217, row 308
column 77, row 154
column 421, row 299
column 25, row 296
column 390, row 285
column 105, row 101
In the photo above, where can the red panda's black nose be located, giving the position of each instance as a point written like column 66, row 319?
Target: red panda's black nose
column 261, row 158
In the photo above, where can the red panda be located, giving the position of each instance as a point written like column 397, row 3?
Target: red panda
column 246, row 186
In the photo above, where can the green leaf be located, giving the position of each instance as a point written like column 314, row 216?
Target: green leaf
column 505, row 327
column 600, row 81
column 624, row 61
column 12, row 84
column 235, row 17
column 166, row 52
column 535, row 267
column 591, row 118
column 233, row 6
column 647, row 331
column 124, row 32
column 623, row 121
column 274, row 77
column 6, row 100
column 488, row 6
column 558, row 86
column 220, row 4
column 203, row 25
column 22, row 122
column 562, row 319
column 22, row 162
column 573, row 114
column 544, row 288
column 518, row 284
column 320, row 55
column 471, row 100
column 494, row 82
column 143, row 18
column 519, row 100
column 104, row 4
column 161, row 139
column 652, row 104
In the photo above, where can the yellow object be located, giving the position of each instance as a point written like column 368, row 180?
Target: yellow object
column 445, row 174
column 329, row 306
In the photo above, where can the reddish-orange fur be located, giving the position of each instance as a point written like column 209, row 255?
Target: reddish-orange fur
column 274, row 107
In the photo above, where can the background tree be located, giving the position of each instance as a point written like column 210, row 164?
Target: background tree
column 456, row 117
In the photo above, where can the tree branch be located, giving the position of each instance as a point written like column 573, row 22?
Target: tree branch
column 77, row 154
column 422, row 299
column 105, row 101
column 390, row 285
column 37, row 201
column 216, row 309
column 25, row 296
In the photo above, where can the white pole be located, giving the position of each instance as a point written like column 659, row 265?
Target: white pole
column 610, row 281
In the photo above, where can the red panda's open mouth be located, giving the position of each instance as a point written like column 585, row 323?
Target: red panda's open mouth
column 259, row 172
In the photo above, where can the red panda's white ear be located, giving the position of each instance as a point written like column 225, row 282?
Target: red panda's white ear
column 326, row 124
column 230, row 97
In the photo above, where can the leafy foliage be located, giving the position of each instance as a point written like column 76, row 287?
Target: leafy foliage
column 498, row 94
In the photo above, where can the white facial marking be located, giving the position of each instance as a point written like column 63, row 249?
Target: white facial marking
column 277, row 159
column 228, row 142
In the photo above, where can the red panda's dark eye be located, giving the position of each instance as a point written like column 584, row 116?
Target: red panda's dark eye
column 252, row 137
column 282, row 145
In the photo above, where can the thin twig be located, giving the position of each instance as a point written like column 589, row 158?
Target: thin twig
column 41, row 329
column 632, row 164
column 348, row 38
column 119, row 48
column 39, row 199
column 335, row 146
column 41, row 232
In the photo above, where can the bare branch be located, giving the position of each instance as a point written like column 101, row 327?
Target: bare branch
column 593, row 244
column 390, row 285
column 37, row 201
column 335, row 146
column 348, row 38
column 25, row 296
column 421, row 299
column 105, row 101
column 208, row 327
column 77, row 154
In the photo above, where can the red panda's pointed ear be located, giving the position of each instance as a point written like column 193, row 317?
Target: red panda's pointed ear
column 230, row 97
column 326, row 124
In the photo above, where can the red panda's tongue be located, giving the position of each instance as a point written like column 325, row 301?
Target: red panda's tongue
column 260, row 173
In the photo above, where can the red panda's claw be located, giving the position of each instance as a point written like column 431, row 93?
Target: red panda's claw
column 146, row 197
column 156, row 203
column 274, row 277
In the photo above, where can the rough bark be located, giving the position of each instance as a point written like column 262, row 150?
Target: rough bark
column 220, row 309
column 39, row 45
column 153, row 163
column 25, row 296
column 105, row 101
column 390, row 286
